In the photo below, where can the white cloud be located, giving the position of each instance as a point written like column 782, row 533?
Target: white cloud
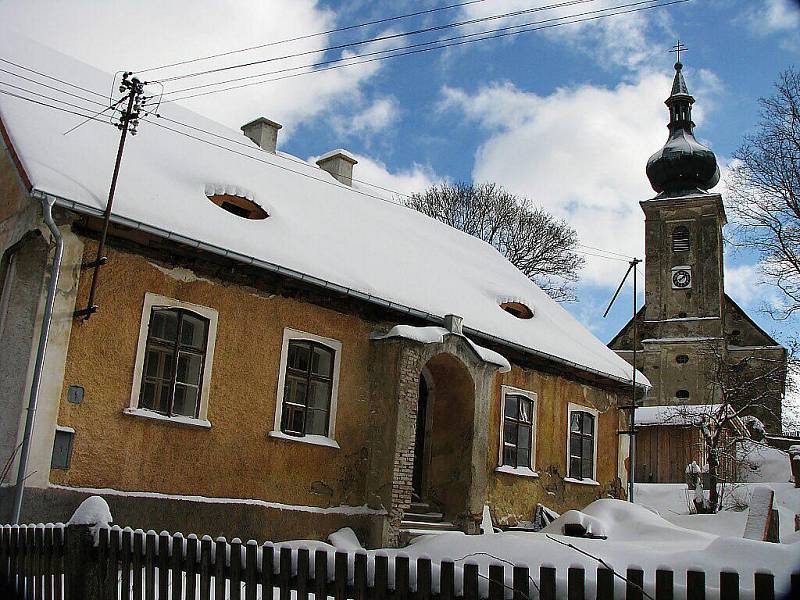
column 741, row 283
column 620, row 40
column 136, row 35
column 579, row 152
column 375, row 118
column 773, row 16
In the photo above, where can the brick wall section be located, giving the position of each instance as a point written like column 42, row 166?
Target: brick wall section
column 408, row 398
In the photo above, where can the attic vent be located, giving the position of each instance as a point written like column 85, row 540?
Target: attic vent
column 239, row 206
column 517, row 309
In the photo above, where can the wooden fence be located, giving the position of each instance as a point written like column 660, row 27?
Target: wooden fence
column 53, row 562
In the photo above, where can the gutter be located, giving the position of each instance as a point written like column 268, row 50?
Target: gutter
column 47, row 215
column 274, row 268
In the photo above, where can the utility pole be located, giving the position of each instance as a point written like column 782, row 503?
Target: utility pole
column 128, row 122
column 631, row 431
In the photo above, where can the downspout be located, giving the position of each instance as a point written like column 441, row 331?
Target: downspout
column 47, row 215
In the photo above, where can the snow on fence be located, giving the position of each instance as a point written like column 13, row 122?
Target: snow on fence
column 79, row 562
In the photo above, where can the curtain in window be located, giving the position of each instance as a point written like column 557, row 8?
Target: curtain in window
column 307, row 388
column 517, row 431
column 581, row 445
column 174, row 360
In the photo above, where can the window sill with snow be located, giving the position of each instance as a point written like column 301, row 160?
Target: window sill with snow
column 581, row 481
column 143, row 413
column 518, row 471
column 315, row 440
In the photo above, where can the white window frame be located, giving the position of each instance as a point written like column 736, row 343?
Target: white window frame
column 290, row 335
column 593, row 411
column 524, row 471
column 155, row 300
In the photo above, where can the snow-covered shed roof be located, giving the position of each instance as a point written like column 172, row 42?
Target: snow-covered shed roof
column 318, row 229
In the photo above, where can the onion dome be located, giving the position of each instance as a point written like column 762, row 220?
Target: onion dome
column 683, row 164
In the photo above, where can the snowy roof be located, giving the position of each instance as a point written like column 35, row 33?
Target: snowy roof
column 318, row 229
column 683, row 414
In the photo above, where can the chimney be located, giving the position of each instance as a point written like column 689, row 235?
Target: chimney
column 263, row 132
column 338, row 163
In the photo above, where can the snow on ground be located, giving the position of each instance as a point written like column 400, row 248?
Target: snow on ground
column 671, row 501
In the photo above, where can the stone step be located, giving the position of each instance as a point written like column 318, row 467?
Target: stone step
column 420, row 507
column 427, row 517
column 408, row 524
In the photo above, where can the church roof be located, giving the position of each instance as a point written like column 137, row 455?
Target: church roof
column 318, row 230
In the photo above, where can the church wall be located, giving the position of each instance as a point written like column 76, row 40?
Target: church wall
column 512, row 498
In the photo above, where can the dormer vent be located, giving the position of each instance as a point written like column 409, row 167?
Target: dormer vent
column 338, row 163
column 264, row 133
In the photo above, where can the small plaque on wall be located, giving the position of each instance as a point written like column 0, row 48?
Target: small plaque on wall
column 75, row 394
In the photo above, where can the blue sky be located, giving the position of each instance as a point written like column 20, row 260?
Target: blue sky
column 566, row 116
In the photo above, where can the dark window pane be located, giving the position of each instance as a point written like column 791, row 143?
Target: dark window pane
column 193, row 331
column 317, row 422
column 575, row 468
column 148, row 397
column 588, row 423
column 575, row 421
column 164, row 325
column 510, row 433
column 189, row 368
column 588, row 447
column 524, row 439
column 299, row 355
column 587, row 467
column 322, row 361
column 319, row 394
column 509, row 455
column 511, row 406
column 574, row 445
column 185, row 403
column 523, row 458
column 295, row 390
column 293, row 418
column 525, row 410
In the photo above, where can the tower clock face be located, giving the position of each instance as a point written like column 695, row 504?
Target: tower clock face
column 681, row 277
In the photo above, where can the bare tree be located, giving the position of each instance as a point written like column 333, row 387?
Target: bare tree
column 538, row 244
column 764, row 184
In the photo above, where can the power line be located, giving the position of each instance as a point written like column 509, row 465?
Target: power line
column 388, row 50
column 72, row 85
column 11, row 85
column 61, row 91
column 312, row 35
column 54, row 107
column 376, row 39
column 458, row 43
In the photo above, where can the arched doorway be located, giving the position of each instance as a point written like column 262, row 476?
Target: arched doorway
column 442, row 472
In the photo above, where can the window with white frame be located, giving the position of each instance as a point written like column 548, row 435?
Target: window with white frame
column 582, row 443
column 518, row 428
column 307, row 385
column 174, row 356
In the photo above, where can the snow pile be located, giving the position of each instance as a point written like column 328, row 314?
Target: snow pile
column 673, row 501
column 759, row 463
column 688, row 414
column 92, row 511
column 324, row 232
column 637, row 538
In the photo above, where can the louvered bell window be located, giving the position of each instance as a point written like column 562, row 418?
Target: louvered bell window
column 680, row 239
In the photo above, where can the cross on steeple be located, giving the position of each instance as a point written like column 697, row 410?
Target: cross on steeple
column 677, row 49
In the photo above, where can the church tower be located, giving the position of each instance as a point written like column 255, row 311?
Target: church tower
column 684, row 294
column 689, row 326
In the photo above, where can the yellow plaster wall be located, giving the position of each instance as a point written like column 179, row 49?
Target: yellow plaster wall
column 512, row 497
column 235, row 457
